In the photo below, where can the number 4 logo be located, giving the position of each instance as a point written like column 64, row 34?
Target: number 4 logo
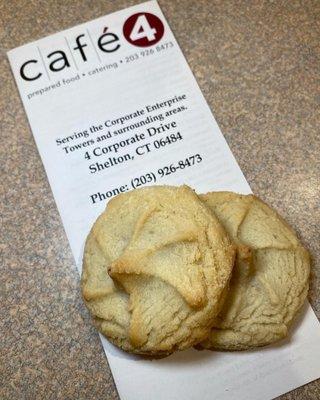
column 143, row 29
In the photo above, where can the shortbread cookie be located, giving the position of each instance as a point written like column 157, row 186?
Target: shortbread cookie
column 170, row 261
column 270, row 278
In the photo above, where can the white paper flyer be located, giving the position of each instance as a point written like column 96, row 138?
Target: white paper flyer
column 113, row 106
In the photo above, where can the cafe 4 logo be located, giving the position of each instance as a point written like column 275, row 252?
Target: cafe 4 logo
column 141, row 29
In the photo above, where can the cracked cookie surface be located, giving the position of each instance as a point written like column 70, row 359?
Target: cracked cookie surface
column 156, row 265
column 270, row 279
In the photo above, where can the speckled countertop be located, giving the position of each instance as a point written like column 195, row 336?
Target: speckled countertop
column 257, row 63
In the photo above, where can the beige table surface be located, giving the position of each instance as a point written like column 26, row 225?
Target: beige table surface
column 258, row 64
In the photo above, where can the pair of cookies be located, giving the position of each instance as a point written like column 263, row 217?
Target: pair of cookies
column 165, row 269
